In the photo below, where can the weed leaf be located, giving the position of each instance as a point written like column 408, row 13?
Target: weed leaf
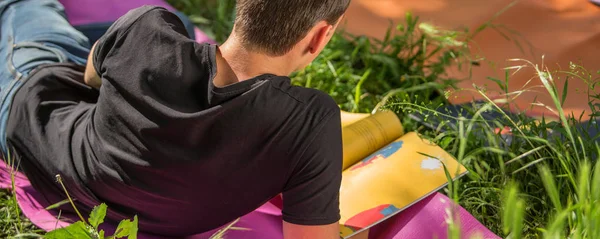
column 58, row 204
column 127, row 228
column 97, row 215
column 76, row 230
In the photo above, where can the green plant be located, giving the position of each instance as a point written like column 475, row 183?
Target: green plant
column 13, row 223
column 89, row 228
column 546, row 159
column 576, row 217
column 363, row 73
column 213, row 17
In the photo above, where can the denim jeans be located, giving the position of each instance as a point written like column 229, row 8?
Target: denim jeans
column 33, row 33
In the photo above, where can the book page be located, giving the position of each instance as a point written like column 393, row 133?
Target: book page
column 350, row 118
column 392, row 179
column 367, row 135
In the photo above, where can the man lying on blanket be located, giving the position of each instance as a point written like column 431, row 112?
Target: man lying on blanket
column 187, row 136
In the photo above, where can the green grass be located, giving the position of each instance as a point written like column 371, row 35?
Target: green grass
column 551, row 173
column 11, row 222
column 545, row 183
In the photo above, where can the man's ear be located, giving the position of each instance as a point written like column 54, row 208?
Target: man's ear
column 319, row 39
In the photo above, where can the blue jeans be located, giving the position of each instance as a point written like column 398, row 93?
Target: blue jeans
column 33, row 33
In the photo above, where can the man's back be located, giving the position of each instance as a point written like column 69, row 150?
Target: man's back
column 164, row 143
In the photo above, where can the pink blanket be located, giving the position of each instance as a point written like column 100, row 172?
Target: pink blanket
column 83, row 12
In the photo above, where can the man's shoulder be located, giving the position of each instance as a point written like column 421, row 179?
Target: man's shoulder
column 147, row 18
column 314, row 100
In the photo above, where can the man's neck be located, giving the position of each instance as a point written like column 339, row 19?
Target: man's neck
column 236, row 63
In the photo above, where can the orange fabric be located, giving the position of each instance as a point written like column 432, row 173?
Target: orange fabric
column 561, row 30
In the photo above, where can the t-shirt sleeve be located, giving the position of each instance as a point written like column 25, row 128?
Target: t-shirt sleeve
column 139, row 30
column 114, row 38
column 147, row 58
column 311, row 197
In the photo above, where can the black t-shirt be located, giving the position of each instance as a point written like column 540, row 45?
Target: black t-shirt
column 160, row 141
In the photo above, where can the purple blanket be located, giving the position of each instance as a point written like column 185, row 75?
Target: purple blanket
column 84, row 12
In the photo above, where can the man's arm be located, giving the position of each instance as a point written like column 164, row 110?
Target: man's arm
column 120, row 29
column 311, row 196
column 293, row 231
column 91, row 77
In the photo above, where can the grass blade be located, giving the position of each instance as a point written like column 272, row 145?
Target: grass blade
column 550, row 186
column 530, row 152
column 564, row 93
column 596, row 181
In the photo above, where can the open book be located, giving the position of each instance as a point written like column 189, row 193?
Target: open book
column 386, row 171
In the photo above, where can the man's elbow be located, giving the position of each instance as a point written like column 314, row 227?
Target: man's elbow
column 294, row 231
column 90, row 76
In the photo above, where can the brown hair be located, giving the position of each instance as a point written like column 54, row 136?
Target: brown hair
column 275, row 26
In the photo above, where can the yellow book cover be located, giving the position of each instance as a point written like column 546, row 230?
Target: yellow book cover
column 386, row 171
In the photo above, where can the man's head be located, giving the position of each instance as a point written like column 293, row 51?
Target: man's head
column 279, row 27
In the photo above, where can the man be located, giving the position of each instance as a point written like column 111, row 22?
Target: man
column 188, row 137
